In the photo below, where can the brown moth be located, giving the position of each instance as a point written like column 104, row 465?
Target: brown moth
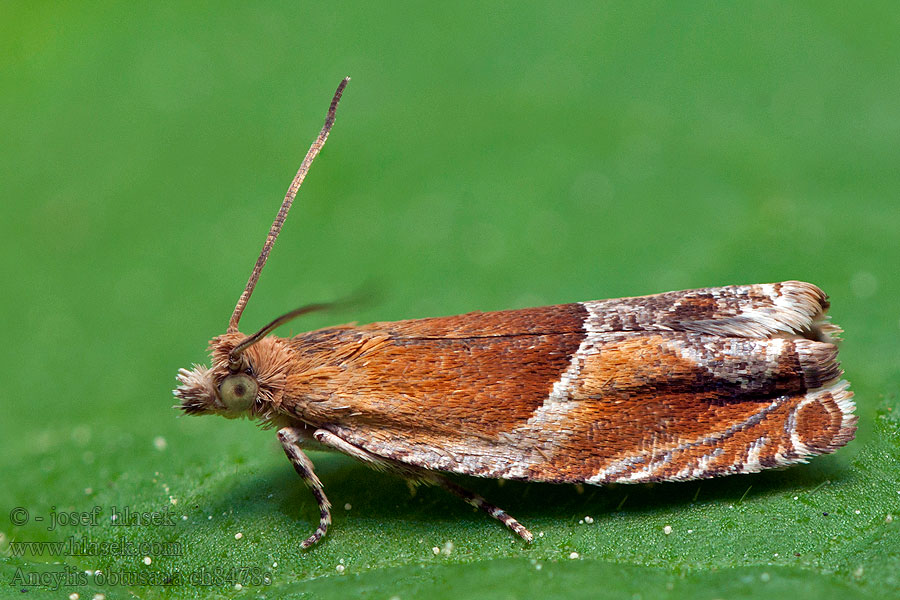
column 670, row 387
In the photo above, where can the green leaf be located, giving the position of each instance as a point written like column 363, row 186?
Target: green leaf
column 826, row 526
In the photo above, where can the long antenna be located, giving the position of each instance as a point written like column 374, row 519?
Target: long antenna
column 234, row 357
column 285, row 207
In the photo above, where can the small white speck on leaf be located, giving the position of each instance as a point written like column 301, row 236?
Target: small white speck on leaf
column 238, row 535
column 147, row 560
column 160, row 443
column 589, row 520
column 574, row 555
column 339, row 568
column 667, row 529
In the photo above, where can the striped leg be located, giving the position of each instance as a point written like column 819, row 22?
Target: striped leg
column 289, row 438
column 338, row 443
column 482, row 504
column 326, row 438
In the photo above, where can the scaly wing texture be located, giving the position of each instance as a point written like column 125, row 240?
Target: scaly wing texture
column 674, row 386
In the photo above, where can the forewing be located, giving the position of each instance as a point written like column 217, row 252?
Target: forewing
column 675, row 386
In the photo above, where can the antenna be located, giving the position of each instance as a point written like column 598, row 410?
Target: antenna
column 234, row 357
column 285, row 207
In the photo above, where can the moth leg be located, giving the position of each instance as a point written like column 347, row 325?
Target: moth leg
column 481, row 504
column 326, row 438
column 330, row 439
column 290, row 438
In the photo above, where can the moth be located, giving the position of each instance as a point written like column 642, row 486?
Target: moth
column 669, row 387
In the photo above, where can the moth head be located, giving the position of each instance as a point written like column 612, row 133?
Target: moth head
column 248, row 373
column 249, row 384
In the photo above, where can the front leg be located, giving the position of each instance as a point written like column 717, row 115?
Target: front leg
column 328, row 438
column 290, row 438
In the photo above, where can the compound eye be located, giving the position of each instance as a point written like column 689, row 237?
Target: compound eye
column 238, row 391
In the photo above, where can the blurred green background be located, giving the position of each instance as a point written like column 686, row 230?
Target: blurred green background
column 485, row 156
